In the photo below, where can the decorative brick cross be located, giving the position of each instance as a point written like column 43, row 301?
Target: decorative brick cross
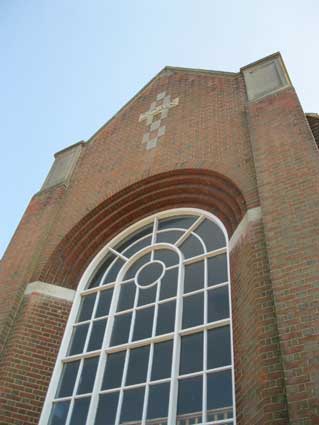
column 154, row 118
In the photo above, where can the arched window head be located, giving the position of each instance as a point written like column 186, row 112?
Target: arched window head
column 149, row 338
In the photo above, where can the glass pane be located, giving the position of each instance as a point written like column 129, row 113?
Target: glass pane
column 67, row 380
column 106, row 411
column 191, row 247
column 158, row 403
column 114, row 370
column 121, row 329
column 190, row 396
column 80, row 411
column 86, row 309
column 218, row 304
column 97, row 335
column 219, row 390
column 166, row 318
column 218, row 345
column 138, row 246
column 147, row 295
column 217, row 269
column 194, row 277
column 150, row 274
column 169, row 284
column 143, row 323
column 183, row 222
column 193, row 310
column 191, row 359
column 127, row 296
column 101, row 270
column 171, row 236
column 136, row 266
column 211, row 234
column 134, row 237
column 132, row 407
column 113, row 271
column 169, row 258
column 59, row 413
column 162, row 360
column 78, row 339
column 138, row 364
column 88, row 375
column 104, row 304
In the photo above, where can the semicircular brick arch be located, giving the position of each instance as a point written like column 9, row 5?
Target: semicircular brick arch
column 202, row 189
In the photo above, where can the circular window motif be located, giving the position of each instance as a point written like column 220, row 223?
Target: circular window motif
column 150, row 273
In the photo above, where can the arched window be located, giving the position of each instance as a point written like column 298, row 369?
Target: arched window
column 149, row 338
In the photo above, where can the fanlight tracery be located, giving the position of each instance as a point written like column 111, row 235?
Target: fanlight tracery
column 149, row 340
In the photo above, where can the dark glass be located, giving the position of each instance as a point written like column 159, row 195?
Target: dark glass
column 191, row 247
column 137, row 366
column 143, row 323
column 166, row 318
column 127, row 296
column 113, row 271
column 67, row 380
column 218, row 346
column 219, row 390
column 190, row 395
column 86, row 309
column 136, row 266
column 134, row 237
column 193, row 310
column 132, row 407
column 78, row 339
column 194, row 276
column 211, row 234
column 114, row 370
column 59, row 413
column 151, row 273
column 158, row 402
column 162, row 360
column 103, row 307
column 218, row 304
column 169, row 284
column 217, row 270
column 87, row 377
column 97, row 334
column 107, row 407
column 183, row 222
column 101, row 270
column 121, row 329
column 138, row 246
column 170, row 236
column 191, row 354
column 80, row 411
column 168, row 257
column 147, row 295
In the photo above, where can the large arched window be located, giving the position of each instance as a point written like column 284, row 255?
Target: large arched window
column 149, row 338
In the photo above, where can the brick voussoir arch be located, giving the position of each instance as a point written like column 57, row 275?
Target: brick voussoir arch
column 203, row 189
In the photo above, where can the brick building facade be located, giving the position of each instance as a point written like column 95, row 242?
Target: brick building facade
column 236, row 145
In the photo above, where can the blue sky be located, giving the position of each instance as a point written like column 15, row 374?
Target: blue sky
column 68, row 65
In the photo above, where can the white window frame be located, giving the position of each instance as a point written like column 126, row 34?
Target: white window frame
column 178, row 332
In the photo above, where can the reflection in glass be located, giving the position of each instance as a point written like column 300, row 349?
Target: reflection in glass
column 121, row 329
column 87, row 304
column 191, row 247
column 190, row 393
column 170, row 236
column 113, row 271
column 158, row 403
column 132, row 407
column 194, row 276
column 59, row 413
column 97, row 334
column 218, row 304
column 162, row 360
column 167, row 256
column 193, row 310
column 138, row 364
column 166, row 318
column 211, row 234
column 218, row 346
column 150, row 274
column 147, row 295
column 87, row 375
column 127, row 295
column 78, row 339
column 104, row 304
column 143, row 323
column 67, row 380
column 191, row 359
column 169, row 284
column 217, row 269
column 106, row 411
column 114, row 370
column 219, row 390
column 80, row 411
